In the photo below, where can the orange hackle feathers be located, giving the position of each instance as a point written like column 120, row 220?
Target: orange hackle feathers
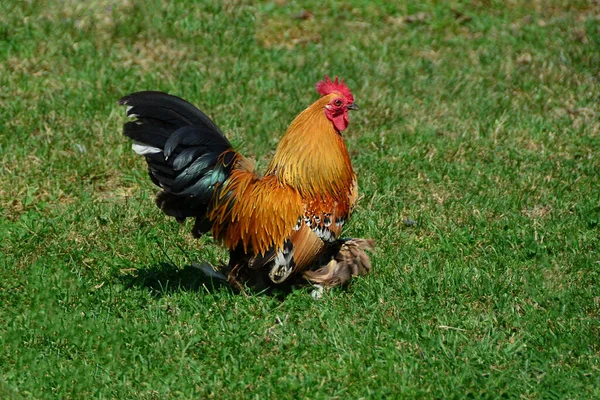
column 312, row 157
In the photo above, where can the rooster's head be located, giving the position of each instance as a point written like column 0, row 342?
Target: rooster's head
column 341, row 100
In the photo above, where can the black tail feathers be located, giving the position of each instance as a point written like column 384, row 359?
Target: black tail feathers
column 187, row 154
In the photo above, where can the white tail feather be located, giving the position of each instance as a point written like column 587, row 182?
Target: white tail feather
column 143, row 149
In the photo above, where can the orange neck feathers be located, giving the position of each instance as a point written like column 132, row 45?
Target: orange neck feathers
column 312, row 156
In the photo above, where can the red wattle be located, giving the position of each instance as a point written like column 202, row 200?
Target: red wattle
column 340, row 121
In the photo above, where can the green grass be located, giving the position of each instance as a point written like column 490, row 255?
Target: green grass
column 480, row 120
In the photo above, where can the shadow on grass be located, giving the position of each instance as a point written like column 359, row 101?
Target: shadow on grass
column 165, row 278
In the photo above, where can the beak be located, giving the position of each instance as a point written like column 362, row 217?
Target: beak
column 352, row 107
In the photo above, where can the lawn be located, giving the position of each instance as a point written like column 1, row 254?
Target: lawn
column 477, row 147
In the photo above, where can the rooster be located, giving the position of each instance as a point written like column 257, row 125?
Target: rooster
column 278, row 227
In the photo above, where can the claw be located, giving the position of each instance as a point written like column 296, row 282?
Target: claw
column 317, row 293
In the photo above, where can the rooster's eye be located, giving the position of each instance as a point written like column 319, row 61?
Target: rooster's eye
column 337, row 102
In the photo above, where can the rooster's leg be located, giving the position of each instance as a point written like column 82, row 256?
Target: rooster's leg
column 232, row 278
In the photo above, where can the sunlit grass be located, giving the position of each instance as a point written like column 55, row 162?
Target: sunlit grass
column 477, row 153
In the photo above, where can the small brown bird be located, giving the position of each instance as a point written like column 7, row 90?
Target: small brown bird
column 279, row 226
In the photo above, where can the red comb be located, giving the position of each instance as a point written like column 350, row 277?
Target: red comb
column 327, row 86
